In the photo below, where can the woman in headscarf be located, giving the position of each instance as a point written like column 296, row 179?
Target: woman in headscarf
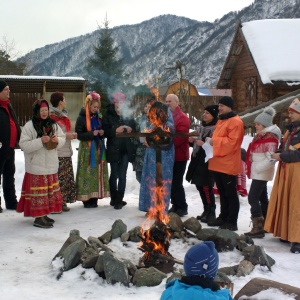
column 40, row 139
column 59, row 114
column 92, row 172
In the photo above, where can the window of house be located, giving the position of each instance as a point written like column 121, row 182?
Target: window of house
column 251, row 91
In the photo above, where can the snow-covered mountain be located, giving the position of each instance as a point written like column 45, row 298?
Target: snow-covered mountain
column 151, row 47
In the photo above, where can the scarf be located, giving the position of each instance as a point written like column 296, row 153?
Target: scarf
column 60, row 117
column 43, row 126
column 94, row 123
column 205, row 130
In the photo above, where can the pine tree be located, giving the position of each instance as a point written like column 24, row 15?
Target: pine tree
column 104, row 68
column 8, row 67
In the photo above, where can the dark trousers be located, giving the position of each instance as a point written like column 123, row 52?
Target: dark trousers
column 7, row 172
column 118, row 174
column 177, row 190
column 138, row 176
column 229, row 199
column 258, row 198
column 207, row 195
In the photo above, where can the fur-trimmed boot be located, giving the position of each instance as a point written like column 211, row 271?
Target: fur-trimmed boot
column 257, row 230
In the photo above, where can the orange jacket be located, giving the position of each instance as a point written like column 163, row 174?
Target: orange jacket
column 227, row 139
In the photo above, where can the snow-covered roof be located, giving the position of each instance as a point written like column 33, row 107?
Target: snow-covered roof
column 274, row 45
column 41, row 77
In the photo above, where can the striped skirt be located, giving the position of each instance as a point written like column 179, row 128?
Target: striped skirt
column 40, row 195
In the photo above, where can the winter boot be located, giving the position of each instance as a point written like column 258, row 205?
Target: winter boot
column 113, row 195
column 217, row 222
column 211, row 216
column 257, row 230
column 203, row 216
column 94, row 202
column 295, row 248
column 119, row 201
column 42, row 223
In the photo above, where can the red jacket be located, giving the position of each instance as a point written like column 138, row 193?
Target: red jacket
column 181, row 144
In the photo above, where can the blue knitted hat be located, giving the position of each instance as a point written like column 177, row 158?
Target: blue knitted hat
column 202, row 259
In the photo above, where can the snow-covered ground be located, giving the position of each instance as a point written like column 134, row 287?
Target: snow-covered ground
column 26, row 251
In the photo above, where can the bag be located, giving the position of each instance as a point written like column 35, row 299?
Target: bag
column 50, row 145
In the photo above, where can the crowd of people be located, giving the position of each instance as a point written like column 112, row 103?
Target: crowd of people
column 49, row 183
column 216, row 162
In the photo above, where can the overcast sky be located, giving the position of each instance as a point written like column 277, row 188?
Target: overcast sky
column 32, row 24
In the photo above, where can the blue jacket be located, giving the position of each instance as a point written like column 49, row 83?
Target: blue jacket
column 176, row 290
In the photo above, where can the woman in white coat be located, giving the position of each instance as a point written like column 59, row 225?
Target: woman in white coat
column 40, row 139
column 260, row 168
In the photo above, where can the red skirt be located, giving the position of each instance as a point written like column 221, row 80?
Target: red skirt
column 40, row 195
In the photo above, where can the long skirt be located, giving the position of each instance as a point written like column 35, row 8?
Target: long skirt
column 147, row 196
column 91, row 182
column 40, row 195
column 66, row 179
column 283, row 217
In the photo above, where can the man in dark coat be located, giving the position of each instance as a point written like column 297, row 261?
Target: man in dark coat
column 120, row 151
column 9, row 137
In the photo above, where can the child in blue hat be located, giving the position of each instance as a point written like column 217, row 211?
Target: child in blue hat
column 201, row 264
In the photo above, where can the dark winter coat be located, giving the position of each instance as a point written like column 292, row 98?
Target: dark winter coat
column 198, row 172
column 5, row 128
column 82, row 133
column 115, row 146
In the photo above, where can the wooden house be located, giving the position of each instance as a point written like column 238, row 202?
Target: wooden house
column 263, row 62
column 24, row 90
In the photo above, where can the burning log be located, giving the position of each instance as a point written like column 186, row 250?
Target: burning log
column 155, row 245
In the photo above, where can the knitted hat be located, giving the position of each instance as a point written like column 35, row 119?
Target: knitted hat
column 213, row 110
column 118, row 96
column 295, row 106
column 202, row 259
column 226, row 100
column 266, row 117
column 3, row 84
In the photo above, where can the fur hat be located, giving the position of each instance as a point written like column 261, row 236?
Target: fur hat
column 118, row 96
column 295, row 106
column 3, row 84
column 213, row 110
column 202, row 260
column 266, row 117
column 228, row 101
